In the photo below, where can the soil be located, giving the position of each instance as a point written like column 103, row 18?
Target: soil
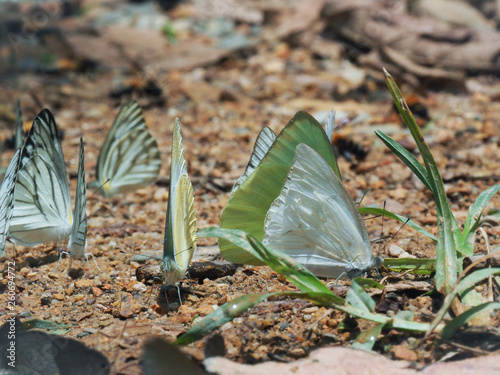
column 222, row 106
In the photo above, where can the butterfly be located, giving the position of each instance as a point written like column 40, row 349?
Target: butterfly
column 180, row 227
column 263, row 143
column 315, row 221
column 248, row 204
column 42, row 202
column 129, row 158
column 77, row 242
column 7, row 190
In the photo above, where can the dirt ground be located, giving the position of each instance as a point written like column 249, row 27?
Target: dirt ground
column 222, row 104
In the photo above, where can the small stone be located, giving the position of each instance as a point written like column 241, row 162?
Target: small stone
column 106, row 287
column 310, row 310
column 307, row 317
column 59, row 296
column 90, row 301
column 83, row 283
column 160, row 195
column 70, row 289
column 32, row 274
column 97, row 292
column 79, row 297
column 46, row 299
column 53, row 276
column 139, row 287
column 127, row 307
column 24, row 271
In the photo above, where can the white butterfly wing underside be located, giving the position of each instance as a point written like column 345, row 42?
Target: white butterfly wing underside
column 262, row 145
column 129, row 157
column 42, row 206
column 315, row 221
column 180, row 242
column 184, row 223
column 7, row 198
column 77, row 243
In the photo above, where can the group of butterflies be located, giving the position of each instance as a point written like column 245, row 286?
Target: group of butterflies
column 290, row 196
column 35, row 202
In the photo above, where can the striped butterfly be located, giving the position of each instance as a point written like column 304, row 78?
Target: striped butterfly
column 129, row 158
column 7, row 190
column 315, row 221
column 263, row 143
column 77, row 243
column 42, row 206
column 180, row 227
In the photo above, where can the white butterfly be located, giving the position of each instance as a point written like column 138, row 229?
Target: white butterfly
column 129, row 158
column 262, row 145
column 42, row 207
column 315, row 221
column 77, row 243
column 7, row 190
column 180, row 226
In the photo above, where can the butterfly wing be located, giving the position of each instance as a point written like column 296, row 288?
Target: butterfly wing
column 262, row 145
column 315, row 221
column 180, row 226
column 42, row 203
column 7, row 190
column 129, row 157
column 77, row 243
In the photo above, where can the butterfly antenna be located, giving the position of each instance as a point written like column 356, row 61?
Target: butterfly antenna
column 363, row 197
column 99, row 188
column 395, row 234
column 382, row 228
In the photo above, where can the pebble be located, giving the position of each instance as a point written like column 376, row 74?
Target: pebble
column 32, row 273
column 59, row 296
column 46, row 299
column 140, row 287
column 97, row 292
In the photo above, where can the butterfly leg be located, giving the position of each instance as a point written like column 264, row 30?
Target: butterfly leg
column 60, row 257
column 92, row 255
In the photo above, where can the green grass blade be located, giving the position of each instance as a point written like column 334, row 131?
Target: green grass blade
column 357, row 297
column 248, row 206
column 293, row 271
column 448, row 231
column 221, row 316
column 454, row 325
column 419, row 266
column 368, row 283
column 382, row 212
column 406, row 157
column 466, row 246
column 467, row 282
column 367, row 339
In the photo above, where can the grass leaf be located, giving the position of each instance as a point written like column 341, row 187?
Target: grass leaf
column 454, row 325
column 466, row 247
column 381, row 212
column 406, row 157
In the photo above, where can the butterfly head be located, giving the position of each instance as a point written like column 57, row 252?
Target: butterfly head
column 173, row 273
